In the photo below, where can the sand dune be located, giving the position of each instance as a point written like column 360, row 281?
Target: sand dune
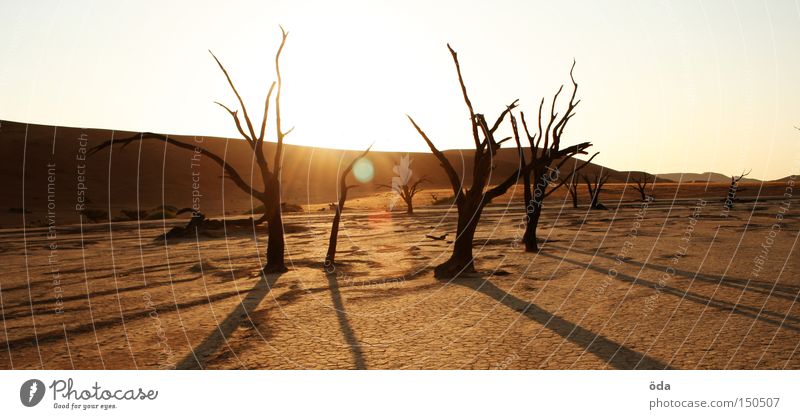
column 148, row 175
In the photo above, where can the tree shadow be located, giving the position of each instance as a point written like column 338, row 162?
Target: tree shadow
column 787, row 292
column 614, row 354
column 762, row 315
column 225, row 329
column 344, row 322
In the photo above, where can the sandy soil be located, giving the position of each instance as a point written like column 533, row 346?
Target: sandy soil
column 663, row 286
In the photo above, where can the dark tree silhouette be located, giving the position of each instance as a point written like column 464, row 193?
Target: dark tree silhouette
column 572, row 187
column 330, row 256
column 270, row 196
column 471, row 201
column 641, row 181
column 733, row 189
column 546, row 159
column 595, row 185
column 406, row 192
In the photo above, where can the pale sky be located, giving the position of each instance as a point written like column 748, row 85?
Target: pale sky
column 666, row 86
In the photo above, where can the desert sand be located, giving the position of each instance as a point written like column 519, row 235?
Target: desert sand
column 675, row 283
column 125, row 299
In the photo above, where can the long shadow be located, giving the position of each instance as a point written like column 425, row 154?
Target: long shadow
column 614, row 354
column 781, row 291
column 112, row 322
column 80, row 282
column 344, row 323
column 47, row 302
column 743, row 310
column 225, row 329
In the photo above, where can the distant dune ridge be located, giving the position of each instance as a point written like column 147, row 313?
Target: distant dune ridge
column 148, row 174
column 703, row 177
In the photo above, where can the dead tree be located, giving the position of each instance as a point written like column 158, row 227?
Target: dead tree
column 595, row 185
column 733, row 188
column 546, row 159
column 330, row 256
column 270, row 196
column 406, row 192
column 572, row 187
column 472, row 200
column 641, row 180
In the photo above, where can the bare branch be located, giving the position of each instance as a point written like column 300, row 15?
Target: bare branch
column 414, row 187
column 279, row 133
column 503, row 115
column 742, row 175
column 466, row 98
column 553, row 115
column 349, row 167
column 231, row 172
column 571, row 151
column 541, row 134
column 515, row 131
column 503, row 187
column 488, row 136
column 452, row 175
column 572, row 176
column 530, row 137
column 266, row 111
column 235, row 116
column 239, row 97
column 559, row 128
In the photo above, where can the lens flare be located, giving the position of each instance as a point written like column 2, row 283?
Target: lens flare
column 363, row 170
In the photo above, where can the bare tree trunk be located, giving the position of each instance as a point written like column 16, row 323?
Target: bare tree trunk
column 593, row 195
column 461, row 260
column 642, row 194
column 409, row 199
column 536, row 202
column 573, row 189
column 533, row 210
column 732, row 189
column 529, row 237
column 594, row 187
column 731, row 194
column 330, row 256
column 276, row 245
column 640, row 184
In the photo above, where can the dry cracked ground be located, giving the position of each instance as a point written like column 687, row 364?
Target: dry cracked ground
column 670, row 285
